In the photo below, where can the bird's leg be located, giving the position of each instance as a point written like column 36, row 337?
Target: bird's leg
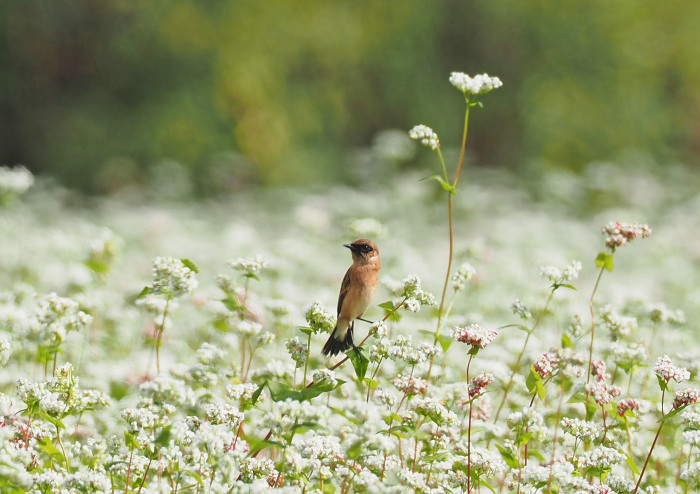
column 366, row 320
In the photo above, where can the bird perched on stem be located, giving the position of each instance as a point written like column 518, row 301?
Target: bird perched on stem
column 356, row 292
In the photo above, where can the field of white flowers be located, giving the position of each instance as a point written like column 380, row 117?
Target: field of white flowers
column 169, row 347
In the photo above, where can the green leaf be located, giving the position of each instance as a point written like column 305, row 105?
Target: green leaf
column 233, row 304
column 663, row 384
column 445, row 185
column 316, row 389
column 195, row 476
column 257, row 392
column 566, row 341
column 280, row 391
column 190, row 264
column 632, row 464
column 390, row 310
column 48, row 447
column 53, row 420
column 163, row 438
column 519, row 326
column 371, row 383
column 604, row 260
column 534, row 383
column 130, row 440
column 523, row 439
column 359, row 362
column 306, row 330
column 355, row 451
column 485, row 484
column 676, row 411
column 146, row 290
column 445, row 341
column 510, row 459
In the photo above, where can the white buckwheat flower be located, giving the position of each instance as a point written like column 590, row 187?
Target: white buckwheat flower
column 474, row 335
column 172, row 277
column 425, row 135
column 479, row 84
column 665, row 369
column 250, row 267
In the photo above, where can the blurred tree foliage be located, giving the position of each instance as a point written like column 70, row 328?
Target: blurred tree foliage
column 100, row 93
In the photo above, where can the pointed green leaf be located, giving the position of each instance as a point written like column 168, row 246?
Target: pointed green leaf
column 359, row 362
column 280, row 391
column 604, row 260
column 146, row 290
column 130, row 440
column 190, row 264
column 566, row 341
column 510, row 459
column 257, row 392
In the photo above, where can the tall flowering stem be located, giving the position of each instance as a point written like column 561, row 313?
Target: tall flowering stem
column 618, row 235
column 592, row 310
column 471, row 87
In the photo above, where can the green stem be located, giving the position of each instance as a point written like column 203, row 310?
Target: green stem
column 308, row 352
column 656, row 438
column 469, row 433
column 451, row 231
column 516, row 367
column 590, row 306
column 160, row 333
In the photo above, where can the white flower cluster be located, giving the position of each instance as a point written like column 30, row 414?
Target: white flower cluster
column 319, row 319
column 691, row 419
column 290, row 412
column 557, row 275
column 685, row 397
column 479, row 84
column 632, row 354
column 434, row 410
column 617, row 325
column 5, row 351
column 414, row 295
column 692, row 476
column 55, row 317
column 465, row 273
column 621, row 233
column 172, row 278
column 660, row 314
column 425, row 135
column 474, row 335
column 250, row 267
column 297, row 350
column 521, row 310
column 410, row 385
column 224, row 414
column 401, row 348
column 619, row 484
column 580, row 429
column 601, row 458
column 325, row 376
column 242, row 393
column 665, row 369
column 485, row 462
column 15, row 180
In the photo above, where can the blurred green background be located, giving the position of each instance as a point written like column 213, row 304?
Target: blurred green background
column 104, row 94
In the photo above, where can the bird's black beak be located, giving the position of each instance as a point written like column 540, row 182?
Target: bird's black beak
column 349, row 246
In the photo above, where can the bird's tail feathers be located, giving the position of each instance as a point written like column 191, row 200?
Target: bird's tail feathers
column 335, row 345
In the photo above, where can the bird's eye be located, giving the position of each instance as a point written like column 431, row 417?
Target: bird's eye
column 366, row 248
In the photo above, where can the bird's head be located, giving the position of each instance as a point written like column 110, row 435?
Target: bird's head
column 363, row 251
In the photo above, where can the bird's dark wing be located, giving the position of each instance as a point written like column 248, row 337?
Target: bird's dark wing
column 344, row 287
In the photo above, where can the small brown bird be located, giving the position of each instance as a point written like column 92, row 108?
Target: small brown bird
column 356, row 292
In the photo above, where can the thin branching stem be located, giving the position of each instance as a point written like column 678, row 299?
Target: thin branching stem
column 590, row 306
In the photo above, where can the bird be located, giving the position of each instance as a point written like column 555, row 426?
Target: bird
column 356, row 292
